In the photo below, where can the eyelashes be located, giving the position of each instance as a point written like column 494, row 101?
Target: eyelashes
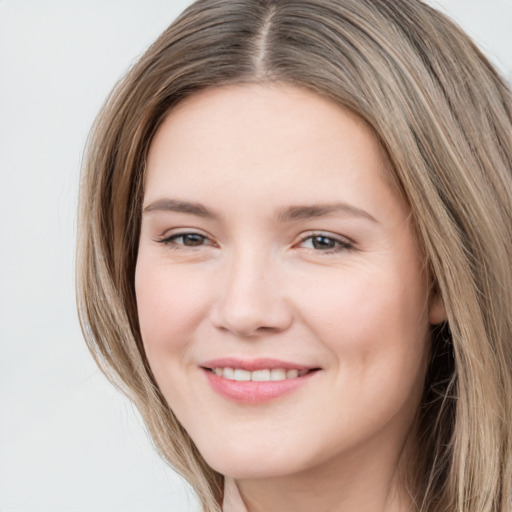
column 190, row 239
column 319, row 242
column 325, row 243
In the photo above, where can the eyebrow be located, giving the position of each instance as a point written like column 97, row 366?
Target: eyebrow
column 288, row 214
column 175, row 205
column 321, row 210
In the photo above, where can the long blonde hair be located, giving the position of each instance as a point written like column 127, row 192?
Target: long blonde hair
column 444, row 117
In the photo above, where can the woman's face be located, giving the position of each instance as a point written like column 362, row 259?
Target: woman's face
column 273, row 247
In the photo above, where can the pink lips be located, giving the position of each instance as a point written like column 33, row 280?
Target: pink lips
column 253, row 392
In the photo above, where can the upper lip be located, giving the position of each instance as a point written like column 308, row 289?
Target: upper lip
column 263, row 363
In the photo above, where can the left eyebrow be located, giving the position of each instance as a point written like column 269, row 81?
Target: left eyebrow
column 320, row 210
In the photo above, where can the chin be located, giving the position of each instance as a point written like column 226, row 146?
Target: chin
column 253, row 462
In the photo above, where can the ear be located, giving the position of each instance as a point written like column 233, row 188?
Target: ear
column 437, row 311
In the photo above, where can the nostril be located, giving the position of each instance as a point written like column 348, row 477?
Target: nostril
column 266, row 329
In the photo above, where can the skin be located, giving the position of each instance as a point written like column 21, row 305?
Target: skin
column 251, row 282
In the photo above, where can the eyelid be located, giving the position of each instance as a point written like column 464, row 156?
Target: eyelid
column 343, row 242
column 170, row 236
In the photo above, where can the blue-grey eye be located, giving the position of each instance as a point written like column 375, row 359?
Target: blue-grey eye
column 189, row 239
column 325, row 243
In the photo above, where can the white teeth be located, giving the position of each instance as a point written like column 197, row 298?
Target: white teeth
column 260, row 375
column 275, row 374
column 242, row 375
column 228, row 373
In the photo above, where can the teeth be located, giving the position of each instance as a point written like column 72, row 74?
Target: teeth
column 228, row 373
column 292, row 374
column 275, row 374
column 242, row 375
column 260, row 375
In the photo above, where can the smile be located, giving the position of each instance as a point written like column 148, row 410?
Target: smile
column 265, row 375
column 256, row 381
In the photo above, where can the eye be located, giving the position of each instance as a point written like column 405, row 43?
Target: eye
column 191, row 239
column 325, row 243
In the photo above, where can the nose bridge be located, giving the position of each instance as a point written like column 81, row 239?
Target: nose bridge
column 250, row 299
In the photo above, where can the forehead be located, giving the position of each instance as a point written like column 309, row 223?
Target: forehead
column 268, row 143
column 261, row 110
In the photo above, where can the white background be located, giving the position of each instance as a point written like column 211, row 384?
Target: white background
column 68, row 441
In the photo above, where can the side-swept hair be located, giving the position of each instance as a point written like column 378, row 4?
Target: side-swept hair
column 444, row 117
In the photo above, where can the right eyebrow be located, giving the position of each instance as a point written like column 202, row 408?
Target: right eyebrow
column 175, row 205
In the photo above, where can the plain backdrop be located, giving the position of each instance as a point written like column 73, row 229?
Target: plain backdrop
column 68, row 441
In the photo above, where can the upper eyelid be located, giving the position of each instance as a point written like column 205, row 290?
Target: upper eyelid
column 326, row 234
column 175, row 232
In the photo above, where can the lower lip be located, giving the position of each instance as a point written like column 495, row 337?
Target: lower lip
column 253, row 392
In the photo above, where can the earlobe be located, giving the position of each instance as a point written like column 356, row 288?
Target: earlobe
column 437, row 311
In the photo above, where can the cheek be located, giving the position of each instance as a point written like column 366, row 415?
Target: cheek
column 373, row 319
column 171, row 303
column 377, row 334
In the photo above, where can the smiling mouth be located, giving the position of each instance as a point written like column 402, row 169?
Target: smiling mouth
column 264, row 375
column 256, row 381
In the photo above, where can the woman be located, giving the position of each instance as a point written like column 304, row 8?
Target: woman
column 295, row 256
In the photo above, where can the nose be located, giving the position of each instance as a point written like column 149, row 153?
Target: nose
column 251, row 299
